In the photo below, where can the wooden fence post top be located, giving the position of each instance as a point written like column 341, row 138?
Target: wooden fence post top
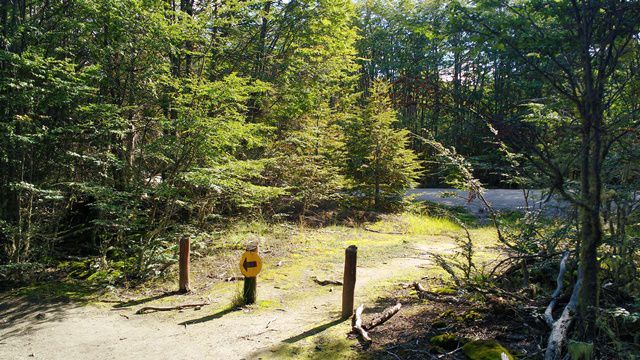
column 252, row 246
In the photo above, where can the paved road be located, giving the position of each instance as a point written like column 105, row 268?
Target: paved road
column 502, row 199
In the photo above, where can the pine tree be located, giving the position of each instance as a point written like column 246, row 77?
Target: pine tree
column 379, row 166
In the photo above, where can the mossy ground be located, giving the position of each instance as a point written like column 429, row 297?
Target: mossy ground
column 486, row 350
column 292, row 255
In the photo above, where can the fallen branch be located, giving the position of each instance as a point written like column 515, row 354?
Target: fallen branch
column 430, row 295
column 450, row 353
column 357, row 324
column 516, row 267
column 326, row 282
column 382, row 318
column 148, row 309
column 497, row 292
column 270, row 321
column 548, row 313
column 561, row 326
column 384, row 232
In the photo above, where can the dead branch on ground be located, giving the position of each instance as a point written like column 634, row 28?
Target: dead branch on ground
column 357, row 324
column 561, row 326
column 148, row 309
column 382, row 318
column 548, row 313
column 325, row 282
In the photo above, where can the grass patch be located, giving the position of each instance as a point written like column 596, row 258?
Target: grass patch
column 79, row 291
column 426, row 225
column 414, row 224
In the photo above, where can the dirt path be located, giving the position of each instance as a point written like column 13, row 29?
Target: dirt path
column 89, row 332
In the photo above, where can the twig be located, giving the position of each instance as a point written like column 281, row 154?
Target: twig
column 148, row 309
column 394, row 355
column 450, row 352
column 270, row 321
column 325, row 282
column 383, row 232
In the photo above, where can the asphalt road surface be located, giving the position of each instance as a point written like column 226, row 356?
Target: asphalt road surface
column 500, row 199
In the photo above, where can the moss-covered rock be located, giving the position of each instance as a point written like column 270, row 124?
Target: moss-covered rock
column 485, row 350
column 445, row 291
column 446, row 341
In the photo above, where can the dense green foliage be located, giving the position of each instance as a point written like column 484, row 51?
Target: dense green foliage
column 126, row 124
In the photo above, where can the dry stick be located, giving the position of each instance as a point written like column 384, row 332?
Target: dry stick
column 548, row 313
column 383, row 232
column 270, row 321
column 147, row 309
column 326, row 282
column 357, row 324
column 382, row 318
column 561, row 326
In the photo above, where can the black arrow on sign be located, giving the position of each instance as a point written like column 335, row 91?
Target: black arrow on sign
column 249, row 264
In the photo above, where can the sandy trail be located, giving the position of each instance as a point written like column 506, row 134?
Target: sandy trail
column 87, row 332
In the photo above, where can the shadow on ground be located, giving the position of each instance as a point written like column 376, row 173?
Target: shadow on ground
column 131, row 303
column 311, row 344
column 25, row 308
column 217, row 315
column 311, row 332
column 20, row 314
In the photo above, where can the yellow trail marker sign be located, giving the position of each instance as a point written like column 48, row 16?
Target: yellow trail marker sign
column 250, row 264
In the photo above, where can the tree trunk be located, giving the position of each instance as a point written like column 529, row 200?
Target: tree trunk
column 590, row 222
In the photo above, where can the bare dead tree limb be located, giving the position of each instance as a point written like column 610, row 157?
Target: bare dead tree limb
column 548, row 313
column 561, row 326
column 325, row 282
column 382, row 318
column 357, row 324
column 148, row 309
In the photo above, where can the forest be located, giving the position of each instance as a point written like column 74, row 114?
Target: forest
column 301, row 125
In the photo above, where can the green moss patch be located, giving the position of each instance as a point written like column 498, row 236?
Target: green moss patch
column 446, row 341
column 485, row 350
column 445, row 291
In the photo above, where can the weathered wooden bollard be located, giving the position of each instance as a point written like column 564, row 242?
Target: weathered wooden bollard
column 349, row 280
column 184, row 265
column 250, row 266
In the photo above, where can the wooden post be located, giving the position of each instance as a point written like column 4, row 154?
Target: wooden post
column 249, row 291
column 349, row 281
column 184, row 265
column 250, row 283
